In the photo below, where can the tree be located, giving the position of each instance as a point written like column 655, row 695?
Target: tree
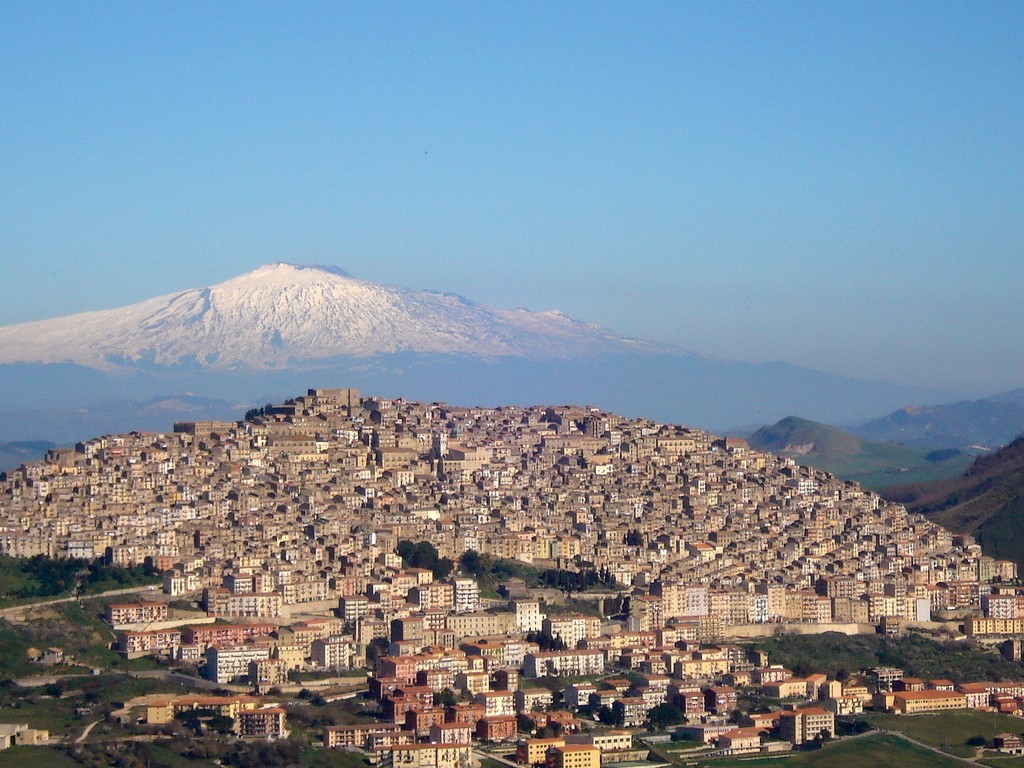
column 423, row 554
column 665, row 715
column 446, row 698
column 605, row 715
column 545, row 641
column 472, row 563
column 375, row 649
column 221, row 724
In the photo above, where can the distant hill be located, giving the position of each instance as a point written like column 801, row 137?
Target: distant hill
column 874, row 465
column 68, row 425
column 989, row 423
column 13, row 455
column 987, row 501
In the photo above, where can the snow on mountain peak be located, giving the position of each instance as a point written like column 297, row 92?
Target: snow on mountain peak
column 281, row 314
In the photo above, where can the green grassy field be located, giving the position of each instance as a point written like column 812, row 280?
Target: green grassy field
column 838, row 655
column 949, row 731
column 40, row 707
column 77, row 629
column 873, row 465
column 1003, row 762
column 878, row 465
column 873, row 751
column 35, row 757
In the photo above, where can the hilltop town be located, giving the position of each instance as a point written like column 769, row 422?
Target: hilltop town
column 338, row 532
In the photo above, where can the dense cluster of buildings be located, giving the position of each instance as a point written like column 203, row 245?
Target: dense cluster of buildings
column 288, row 525
column 306, row 502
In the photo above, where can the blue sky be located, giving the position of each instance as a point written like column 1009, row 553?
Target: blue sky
column 838, row 185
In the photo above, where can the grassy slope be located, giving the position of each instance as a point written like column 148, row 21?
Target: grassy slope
column 76, row 629
column 872, row 751
column 874, row 465
column 918, row 656
column 986, row 501
column 33, row 579
column 36, row 757
column 948, row 731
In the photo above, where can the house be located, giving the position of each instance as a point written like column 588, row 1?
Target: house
column 263, row 723
column 498, row 728
column 574, row 756
column 800, row 726
column 1010, row 743
column 741, row 740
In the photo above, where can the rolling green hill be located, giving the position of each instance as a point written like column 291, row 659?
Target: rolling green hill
column 874, row 465
column 986, row 501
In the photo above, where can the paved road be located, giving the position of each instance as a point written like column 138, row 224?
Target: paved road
column 85, row 732
column 936, row 750
column 170, row 676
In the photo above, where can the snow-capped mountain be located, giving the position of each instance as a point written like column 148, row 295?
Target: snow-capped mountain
column 280, row 329
column 284, row 315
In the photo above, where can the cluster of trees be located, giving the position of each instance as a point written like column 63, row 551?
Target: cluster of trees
column 577, row 581
column 169, row 753
column 423, row 554
column 375, row 649
column 254, row 413
column 546, row 642
column 490, row 572
column 549, row 731
column 198, row 719
column 664, row 716
column 633, row 538
column 40, row 576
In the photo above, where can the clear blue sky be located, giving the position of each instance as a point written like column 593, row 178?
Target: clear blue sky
column 838, row 185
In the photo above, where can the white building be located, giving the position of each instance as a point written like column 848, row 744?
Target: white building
column 467, row 595
column 225, row 664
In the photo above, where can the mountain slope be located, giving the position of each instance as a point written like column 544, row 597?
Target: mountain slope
column 989, row 423
column 987, row 501
column 283, row 328
column 281, row 315
column 874, row 465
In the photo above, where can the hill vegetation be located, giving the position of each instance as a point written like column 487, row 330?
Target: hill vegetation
column 840, row 656
column 873, row 465
column 987, row 501
column 989, row 423
column 24, row 579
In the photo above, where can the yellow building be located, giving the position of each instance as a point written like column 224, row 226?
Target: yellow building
column 575, row 756
column 535, row 751
column 976, row 625
column 227, row 706
column 910, row 702
column 426, row 756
